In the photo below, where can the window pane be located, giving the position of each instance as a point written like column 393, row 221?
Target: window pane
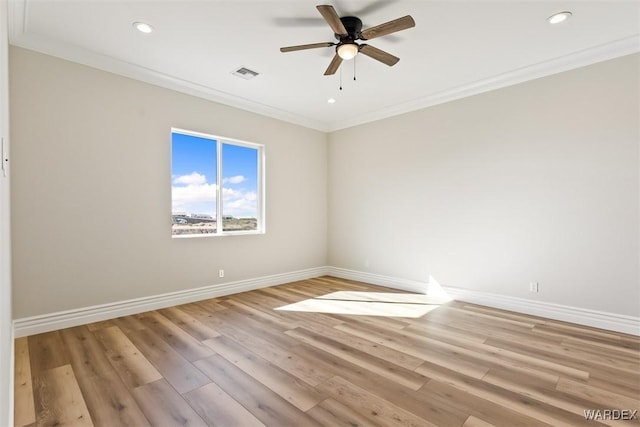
column 193, row 184
column 239, row 188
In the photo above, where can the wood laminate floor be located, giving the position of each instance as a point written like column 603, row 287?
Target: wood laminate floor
column 327, row 352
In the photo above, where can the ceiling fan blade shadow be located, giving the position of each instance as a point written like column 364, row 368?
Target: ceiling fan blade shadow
column 298, row 22
column 334, row 65
column 388, row 28
column 379, row 55
column 374, row 7
column 329, row 14
column 305, row 46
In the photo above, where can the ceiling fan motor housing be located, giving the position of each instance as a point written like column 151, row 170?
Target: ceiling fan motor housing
column 353, row 25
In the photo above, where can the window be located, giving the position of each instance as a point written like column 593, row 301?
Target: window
column 204, row 167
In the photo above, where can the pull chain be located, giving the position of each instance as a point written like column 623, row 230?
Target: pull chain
column 340, row 78
column 354, row 68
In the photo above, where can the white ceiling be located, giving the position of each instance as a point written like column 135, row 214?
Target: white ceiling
column 458, row 48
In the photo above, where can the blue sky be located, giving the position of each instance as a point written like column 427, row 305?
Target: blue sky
column 193, row 177
column 191, row 153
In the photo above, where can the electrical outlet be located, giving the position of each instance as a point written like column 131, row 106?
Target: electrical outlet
column 220, row 273
column 533, row 287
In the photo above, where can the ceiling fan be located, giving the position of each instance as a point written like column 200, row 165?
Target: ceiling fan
column 347, row 31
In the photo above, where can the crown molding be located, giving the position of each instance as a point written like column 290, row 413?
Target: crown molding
column 147, row 75
column 615, row 49
column 19, row 36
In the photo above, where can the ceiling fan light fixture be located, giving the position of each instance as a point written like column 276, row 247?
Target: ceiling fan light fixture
column 347, row 51
column 559, row 17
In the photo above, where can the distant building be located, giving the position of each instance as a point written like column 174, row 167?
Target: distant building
column 201, row 216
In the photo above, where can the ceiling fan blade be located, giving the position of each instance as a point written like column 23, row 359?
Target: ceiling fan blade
column 329, row 14
column 334, row 65
column 305, row 46
column 388, row 28
column 379, row 55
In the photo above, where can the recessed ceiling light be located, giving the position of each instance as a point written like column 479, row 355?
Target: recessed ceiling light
column 143, row 27
column 559, row 17
column 331, row 101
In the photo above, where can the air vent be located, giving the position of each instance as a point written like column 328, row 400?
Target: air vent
column 245, row 73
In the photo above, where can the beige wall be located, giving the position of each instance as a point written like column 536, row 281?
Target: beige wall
column 91, row 190
column 534, row 182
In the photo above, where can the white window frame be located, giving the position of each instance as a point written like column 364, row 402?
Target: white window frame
column 260, row 190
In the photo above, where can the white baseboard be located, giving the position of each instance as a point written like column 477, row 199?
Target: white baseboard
column 582, row 316
column 69, row 318
column 380, row 280
column 597, row 319
column 82, row 316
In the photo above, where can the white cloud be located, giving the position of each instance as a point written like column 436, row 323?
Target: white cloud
column 194, row 178
column 200, row 199
column 234, row 179
column 240, row 203
column 192, row 194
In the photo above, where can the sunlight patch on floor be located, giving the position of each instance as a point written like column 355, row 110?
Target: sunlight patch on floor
column 386, row 304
